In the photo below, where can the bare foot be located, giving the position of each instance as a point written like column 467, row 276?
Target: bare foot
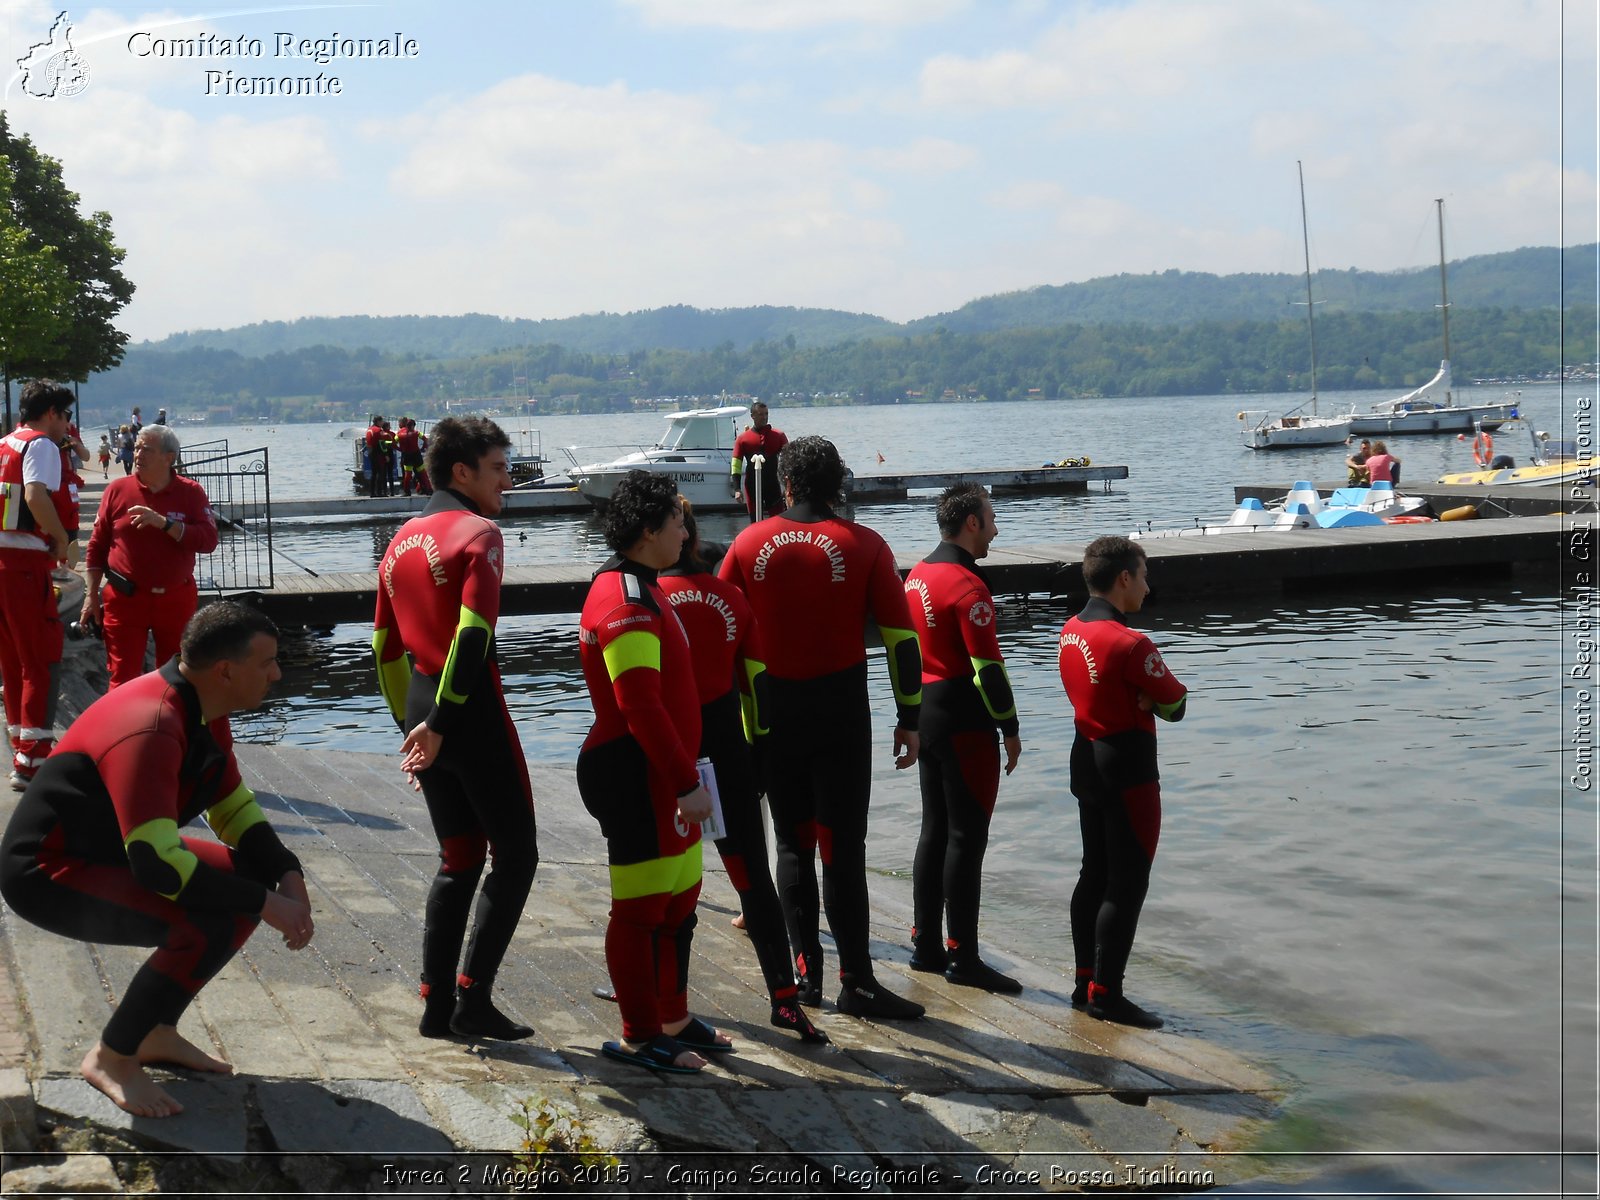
column 738, row 921
column 164, row 1044
column 124, row 1081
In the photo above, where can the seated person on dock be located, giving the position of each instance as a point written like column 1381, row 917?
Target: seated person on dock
column 1357, row 463
column 93, row 850
column 1383, row 466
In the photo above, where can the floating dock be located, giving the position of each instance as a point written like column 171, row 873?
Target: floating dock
column 1512, row 501
column 1263, row 563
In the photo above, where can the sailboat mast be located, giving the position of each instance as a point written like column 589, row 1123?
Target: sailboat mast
column 1444, row 293
column 1311, row 320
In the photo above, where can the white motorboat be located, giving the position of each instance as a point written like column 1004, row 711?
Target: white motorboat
column 1432, row 407
column 696, row 452
column 1296, row 428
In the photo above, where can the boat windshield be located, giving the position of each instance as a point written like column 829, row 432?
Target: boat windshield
column 698, row 433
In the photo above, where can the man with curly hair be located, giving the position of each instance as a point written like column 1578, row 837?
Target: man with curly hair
column 814, row 579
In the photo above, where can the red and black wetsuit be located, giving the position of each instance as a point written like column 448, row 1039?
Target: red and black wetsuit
column 770, row 443
column 814, row 579
column 730, row 676
column 637, row 761
column 438, row 601
column 410, row 446
column 966, row 698
column 93, row 850
column 1105, row 667
column 374, row 438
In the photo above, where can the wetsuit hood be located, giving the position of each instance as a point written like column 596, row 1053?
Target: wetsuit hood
column 446, row 499
column 808, row 513
column 1101, row 609
column 951, row 552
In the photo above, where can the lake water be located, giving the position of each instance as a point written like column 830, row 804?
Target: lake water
column 1374, row 877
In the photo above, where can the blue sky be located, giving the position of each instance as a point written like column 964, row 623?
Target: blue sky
column 900, row 157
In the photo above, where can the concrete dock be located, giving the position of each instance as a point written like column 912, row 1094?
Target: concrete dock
column 1268, row 563
column 336, row 1092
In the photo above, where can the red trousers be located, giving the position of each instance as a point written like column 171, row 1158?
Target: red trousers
column 30, row 649
column 128, row 622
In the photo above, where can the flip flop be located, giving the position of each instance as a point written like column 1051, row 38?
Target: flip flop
column 604, row 991
column 701, row 1038
column 659, row 1054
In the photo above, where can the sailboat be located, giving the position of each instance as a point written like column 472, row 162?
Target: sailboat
column 1432, row 407
column 1294, row 428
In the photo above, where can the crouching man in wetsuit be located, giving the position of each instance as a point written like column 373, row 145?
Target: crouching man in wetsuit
column 966, row 698
column 1117, row 684
column 433, row 640
column 93, row 851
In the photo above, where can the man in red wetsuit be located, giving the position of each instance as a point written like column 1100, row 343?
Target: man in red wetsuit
column 93, row 851
column 966, row 697
column 147, row 532
column 409, row 444
column 638, row 778
column 814, row 579
column 1117, row 684
column 374, row 438
column 433, row 640
column 35, row 512
column 761, row 438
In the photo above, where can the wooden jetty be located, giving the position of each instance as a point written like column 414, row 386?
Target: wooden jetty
column 335, row 1087
column 1179, row 567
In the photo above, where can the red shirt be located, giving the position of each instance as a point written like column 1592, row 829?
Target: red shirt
column 150, row 557
column 1105, row 666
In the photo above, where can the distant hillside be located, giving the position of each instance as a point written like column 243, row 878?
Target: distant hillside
column 1530, row 278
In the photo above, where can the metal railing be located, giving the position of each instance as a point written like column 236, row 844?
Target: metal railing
column 239, row 486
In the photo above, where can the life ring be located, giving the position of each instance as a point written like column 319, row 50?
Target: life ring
column 1483, row 448
column 1408, row 519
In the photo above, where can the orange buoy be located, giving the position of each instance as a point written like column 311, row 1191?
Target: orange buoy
column 1483, row 448
column 1467, row 512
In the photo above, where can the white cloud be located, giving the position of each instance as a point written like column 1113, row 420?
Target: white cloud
column 780, row 16
column 926, row 156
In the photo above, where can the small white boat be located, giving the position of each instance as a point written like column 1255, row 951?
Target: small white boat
column 1293, row 428
column 696, row 452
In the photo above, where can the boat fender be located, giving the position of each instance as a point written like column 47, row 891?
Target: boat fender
column 1483, row 448
column 1466, row 512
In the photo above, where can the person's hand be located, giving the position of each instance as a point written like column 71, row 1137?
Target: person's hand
column 141, row 516
column 696, row 806
column 419, row 750
column 1146, row 704
column 1013, row 745
column 290, row 917
column 906, row 745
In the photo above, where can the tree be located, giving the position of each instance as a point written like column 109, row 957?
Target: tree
column 41, row 205
column 35, row 293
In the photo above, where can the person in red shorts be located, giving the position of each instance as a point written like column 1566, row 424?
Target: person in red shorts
column 1118, row 684
column 35, row 513
column 966, row 699
column 93, row 851
column 139, row 564
column 638, row 778
column 814, row 580
column 761, row 438
column 433, row 642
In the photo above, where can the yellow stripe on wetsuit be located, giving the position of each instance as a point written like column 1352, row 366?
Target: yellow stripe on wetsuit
column 233, row 814
column 394, row 676
column 979, row 666
column 467, row 620
column 893, row 640
column 161, row 835
column 637, row 648
column 672, row 876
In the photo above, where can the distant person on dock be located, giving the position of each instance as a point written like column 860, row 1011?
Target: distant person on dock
column 814, row 580
column 161, row 416
column 1383, row 467
column 93, row 851
column 373, row 440
column 135, row 421
column 761, row 438
column 730, row 674
column 434, row 645
column 638, row 778
column 1357, row 464
column 35, row 520
column 386, row 457
column 409, row 444
column 125, row 448
column 1117, row 684
column 139, row 565
column 104, row 455
column 968, row 713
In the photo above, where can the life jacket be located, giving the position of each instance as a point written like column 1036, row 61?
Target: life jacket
column 15, row 516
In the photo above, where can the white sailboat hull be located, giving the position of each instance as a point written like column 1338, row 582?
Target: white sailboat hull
column 1290, row 432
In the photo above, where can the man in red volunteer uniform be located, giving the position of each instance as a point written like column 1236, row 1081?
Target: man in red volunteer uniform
column 374, row 437
column 966, row 697
column 33, row 539
column 1116, row 680
column 139, row 566
column 814, row 579
column 761, row 438
column 434, row 645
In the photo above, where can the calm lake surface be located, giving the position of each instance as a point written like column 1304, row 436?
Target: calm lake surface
column 1374, row 877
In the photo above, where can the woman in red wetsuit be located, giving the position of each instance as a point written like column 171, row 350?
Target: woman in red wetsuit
column 730, row 677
